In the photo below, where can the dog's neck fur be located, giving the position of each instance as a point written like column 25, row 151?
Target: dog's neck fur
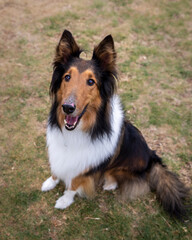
column 77, row 148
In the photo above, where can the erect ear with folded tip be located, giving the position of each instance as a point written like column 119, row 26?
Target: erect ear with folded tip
column 104, row 54
column 66, row 48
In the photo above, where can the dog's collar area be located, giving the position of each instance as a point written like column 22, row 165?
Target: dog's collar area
column 71, row 122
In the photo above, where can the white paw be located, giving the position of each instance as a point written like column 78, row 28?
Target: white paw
column 63, row 203
column 111, row 186
column 49, row 184
column 66, row 200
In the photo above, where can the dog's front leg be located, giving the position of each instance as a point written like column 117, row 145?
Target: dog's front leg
column 49, row 184
column 66, row 200
column 81, row 185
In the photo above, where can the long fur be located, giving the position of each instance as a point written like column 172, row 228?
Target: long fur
column 103, row 146
column 71, row 152
column 170, row 191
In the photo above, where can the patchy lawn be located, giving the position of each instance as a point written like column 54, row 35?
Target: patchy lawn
column 153, row 40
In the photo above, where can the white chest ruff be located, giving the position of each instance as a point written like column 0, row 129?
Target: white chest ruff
column 72, row 152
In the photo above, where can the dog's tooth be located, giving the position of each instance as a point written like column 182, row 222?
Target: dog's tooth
column 65, row 121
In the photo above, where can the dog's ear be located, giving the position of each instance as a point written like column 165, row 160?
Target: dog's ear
column 66, row 49
column 104, row 54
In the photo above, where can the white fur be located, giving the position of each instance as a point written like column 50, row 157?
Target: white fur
column 111, row 186
column 49, row 184
column 66, row 200
column 72, row 152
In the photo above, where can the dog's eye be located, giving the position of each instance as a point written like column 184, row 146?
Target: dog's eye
column 67, row 78
column 90, row 82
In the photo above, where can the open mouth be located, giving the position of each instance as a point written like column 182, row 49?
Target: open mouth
column 71, row 122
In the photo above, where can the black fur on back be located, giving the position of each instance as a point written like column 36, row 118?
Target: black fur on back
column 134, row 152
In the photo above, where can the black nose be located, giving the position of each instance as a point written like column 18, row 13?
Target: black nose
column 68, row 108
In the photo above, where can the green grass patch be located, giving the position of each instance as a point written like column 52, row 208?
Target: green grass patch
column 146, row 24
column 54, row 24
column 177, row 118
column 152, row 229
column 98, row 4
column 131, row 92
column 24, row 199
column 122, row 2
column 185, row 157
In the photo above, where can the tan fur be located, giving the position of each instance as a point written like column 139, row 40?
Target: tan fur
column 83, row 94
column 84, row 185
column 109, row 179
column 135, row 188
column 162, row 178
column 54, row 177
column 130, row 185
column 120, row 174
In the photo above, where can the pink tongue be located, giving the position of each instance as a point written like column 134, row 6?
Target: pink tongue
column 71, row 120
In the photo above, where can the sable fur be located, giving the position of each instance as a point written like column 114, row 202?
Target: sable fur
column 170, row 191
column 103, row 146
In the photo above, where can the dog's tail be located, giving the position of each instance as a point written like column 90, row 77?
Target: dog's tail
column 170, row 191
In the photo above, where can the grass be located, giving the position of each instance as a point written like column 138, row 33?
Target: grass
column 153, row 42
column 52, row 25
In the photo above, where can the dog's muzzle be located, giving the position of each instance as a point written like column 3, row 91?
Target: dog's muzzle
column 70, row 120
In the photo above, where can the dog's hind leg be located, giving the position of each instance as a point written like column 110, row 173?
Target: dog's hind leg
column 49, row 184
column 110, row 182
column 81, row 185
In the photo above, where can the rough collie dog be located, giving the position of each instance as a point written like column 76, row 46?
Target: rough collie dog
column 90, row 141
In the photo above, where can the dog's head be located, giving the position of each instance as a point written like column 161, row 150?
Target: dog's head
column 81, row 87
